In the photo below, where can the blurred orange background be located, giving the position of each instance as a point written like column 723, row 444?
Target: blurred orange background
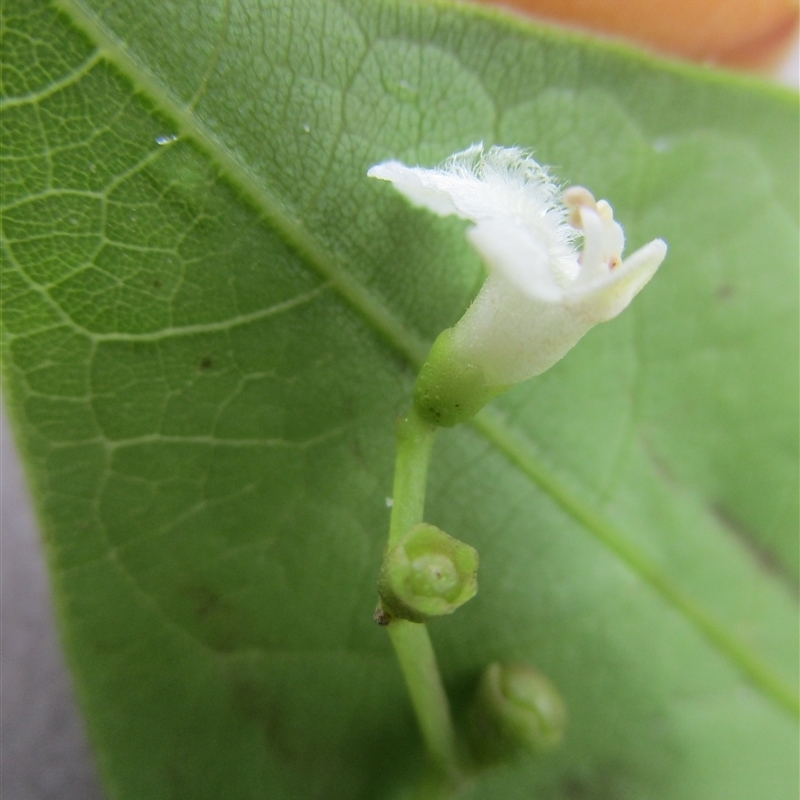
column 738, row 33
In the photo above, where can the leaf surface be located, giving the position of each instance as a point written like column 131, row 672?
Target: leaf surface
column 211, row 318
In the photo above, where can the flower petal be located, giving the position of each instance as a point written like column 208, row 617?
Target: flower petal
column 423, row 187
column 604, row 298
column 510, row 249
column 477, row 185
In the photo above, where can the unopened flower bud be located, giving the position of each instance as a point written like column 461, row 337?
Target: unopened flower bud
column 516, row 710
column 427, row 574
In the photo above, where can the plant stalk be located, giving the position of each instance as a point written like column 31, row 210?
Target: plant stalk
column 410, row 639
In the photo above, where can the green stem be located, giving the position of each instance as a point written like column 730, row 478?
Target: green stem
column 414, row 443
column 411, row 641
column 418, row 663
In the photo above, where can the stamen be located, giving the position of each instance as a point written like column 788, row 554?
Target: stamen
column 575, row 198
column 592, row 264
column 605, row 211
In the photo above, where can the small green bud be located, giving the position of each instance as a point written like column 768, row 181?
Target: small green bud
column 516, row 710
column 427, row 574
column 448, row 389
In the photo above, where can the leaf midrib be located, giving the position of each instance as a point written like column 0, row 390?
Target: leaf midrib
column 415, row 349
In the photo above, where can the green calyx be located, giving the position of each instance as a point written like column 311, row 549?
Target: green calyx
column 427, row 574
column 448, row 389
column 516, row 710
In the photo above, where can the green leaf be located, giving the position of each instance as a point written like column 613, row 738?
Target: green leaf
column 211, row 318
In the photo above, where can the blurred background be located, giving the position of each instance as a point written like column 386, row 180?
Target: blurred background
column 43, row 750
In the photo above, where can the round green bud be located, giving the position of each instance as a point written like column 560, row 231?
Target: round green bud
column 448, row 389
column 516, row 710
column 427, row 574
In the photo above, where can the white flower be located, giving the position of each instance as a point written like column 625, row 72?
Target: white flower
column 543, row 292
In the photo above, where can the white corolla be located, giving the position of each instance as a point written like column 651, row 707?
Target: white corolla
column 555, row 269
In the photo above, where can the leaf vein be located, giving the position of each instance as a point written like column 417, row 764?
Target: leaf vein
column 64, row 82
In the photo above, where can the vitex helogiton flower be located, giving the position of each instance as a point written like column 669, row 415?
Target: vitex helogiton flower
column 555, row 270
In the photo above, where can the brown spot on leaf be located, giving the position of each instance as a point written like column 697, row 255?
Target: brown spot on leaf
column 724, row 292
column 207, row 602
